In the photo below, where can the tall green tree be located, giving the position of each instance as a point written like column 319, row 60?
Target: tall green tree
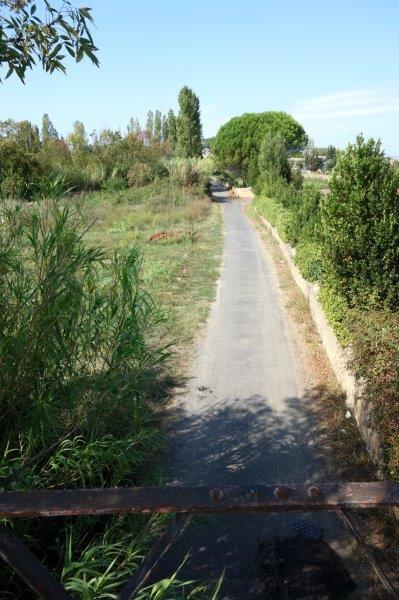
column 29, row 36
column 189, row 129
column 238, row 141
column 164, row 128
column 77, row 140
column 273, row 156
column 134, row 126
column 24, row 133
column 158, row 125
column 48, row 132
column 150, row 124
column 172, row 133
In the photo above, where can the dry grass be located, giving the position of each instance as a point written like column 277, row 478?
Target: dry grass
column 179, row 234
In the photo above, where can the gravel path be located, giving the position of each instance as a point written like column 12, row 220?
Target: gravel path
column 243, row 419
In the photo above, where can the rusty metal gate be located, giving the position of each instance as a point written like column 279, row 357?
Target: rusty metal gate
column 184, row 502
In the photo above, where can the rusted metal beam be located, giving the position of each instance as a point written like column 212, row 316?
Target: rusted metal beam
column 154, row 557
column 29, row 568
column 233, row 499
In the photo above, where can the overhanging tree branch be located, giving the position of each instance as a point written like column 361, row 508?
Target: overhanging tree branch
column 26, row 38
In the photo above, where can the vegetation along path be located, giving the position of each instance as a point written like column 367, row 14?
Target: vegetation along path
column 242, row 419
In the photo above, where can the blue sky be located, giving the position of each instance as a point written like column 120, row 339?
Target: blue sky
column 333, row 65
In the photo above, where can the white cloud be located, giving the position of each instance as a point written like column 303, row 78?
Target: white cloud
column 352, row 103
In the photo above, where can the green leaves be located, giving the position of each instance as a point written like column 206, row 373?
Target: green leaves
column 241, row 137
column 188, row 125
column 361, row 225
column 26, row 38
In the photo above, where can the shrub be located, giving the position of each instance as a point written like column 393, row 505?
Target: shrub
column 306, row 224
column 273, row 156
column 186, row 172
column 49, row 186
column 12, row 185
column 374, row 339
column 309, row 258
column 269, row 208
column 361, row 225
column 139, row 174
column 336, row 308
column 114, row 184
column 18, row 167
column 66, row 313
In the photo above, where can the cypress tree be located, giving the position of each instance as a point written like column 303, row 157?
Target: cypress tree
column 130, row 126
column 150, row 124
column 48, row 132
column 164, row 128
column 189, row 129
column 158, row 124
column 171, row 124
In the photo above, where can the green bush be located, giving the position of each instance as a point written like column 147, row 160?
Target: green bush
column 18, row 168
column 70, row 318
column 139, row 174
column 296, row 213
column 187, row 172
column 114, row 184
column 309, row 258
column 336, row 308
column 361, row 225
column 78, row 360
column 53, row 185
column 268, row 207
column 12, row 185
column 273, row 156
column 374, row 339
column 306, row 224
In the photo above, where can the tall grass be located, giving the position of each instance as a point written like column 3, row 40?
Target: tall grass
column 77, row 366
column 188, row 172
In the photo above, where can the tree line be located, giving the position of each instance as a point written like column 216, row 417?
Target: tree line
column 30, row 156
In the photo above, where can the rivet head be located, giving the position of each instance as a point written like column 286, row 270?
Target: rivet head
column 216, row 494
column 281, row 492
column 314, row 491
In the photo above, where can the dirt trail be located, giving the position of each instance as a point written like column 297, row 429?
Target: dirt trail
column 243, row 418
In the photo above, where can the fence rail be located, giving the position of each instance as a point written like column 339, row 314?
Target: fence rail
column 184, row 501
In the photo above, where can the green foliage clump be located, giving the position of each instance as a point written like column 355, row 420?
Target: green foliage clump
column 77, row 370
column 336, row 308
column 139, row 174
column 273, row 156
column 309, row 258
column 17, row 167
column 28, row 37
column 171, row 129
column 374, row 338
column 187, row 172
column 241, row 137
column 104, row 160
column 348, row 241
column 361, row 225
